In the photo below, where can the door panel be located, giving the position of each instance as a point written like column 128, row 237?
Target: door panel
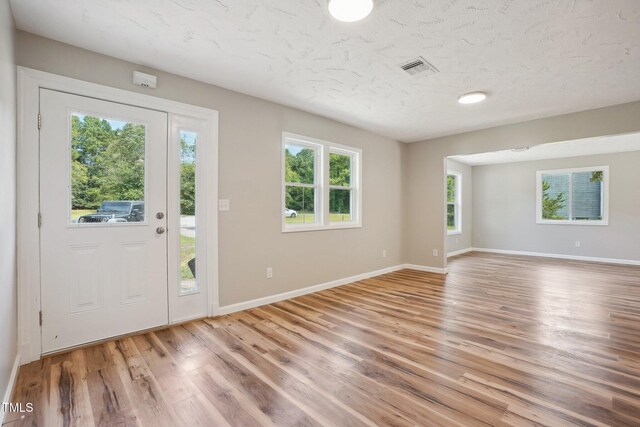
column 102, row 181
column 133, row 256
column 86, row 285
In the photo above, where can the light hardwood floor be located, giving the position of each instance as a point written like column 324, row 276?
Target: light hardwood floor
column 501, row 340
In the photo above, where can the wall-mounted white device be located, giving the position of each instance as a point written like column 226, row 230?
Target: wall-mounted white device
column 144, row 80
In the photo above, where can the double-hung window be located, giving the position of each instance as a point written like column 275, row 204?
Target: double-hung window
column 320, row 184
column 573, row 196
column 454, row 185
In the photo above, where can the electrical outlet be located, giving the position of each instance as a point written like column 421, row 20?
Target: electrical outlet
column 435, row 252
column 384, row 253
column 224, row 205
column 269, row 272
column 577, row 243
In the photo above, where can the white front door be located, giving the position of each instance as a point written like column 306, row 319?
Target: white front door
column 103, row 199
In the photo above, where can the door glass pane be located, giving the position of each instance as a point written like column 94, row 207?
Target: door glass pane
column 299, row 206
column 188, row 283
column 107, row 171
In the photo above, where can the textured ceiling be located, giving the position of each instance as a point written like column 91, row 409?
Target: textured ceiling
column 557, row 150
column 536, row 58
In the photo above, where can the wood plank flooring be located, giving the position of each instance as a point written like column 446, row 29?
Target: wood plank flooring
column 501, row 340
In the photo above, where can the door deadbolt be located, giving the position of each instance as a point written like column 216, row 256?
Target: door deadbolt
column 160, row 215
column 160, row 230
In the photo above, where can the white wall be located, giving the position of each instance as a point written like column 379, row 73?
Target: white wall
column 425, row 167
column 504, row 210
column 457, row 242
column 250, row 131
column 8, row 302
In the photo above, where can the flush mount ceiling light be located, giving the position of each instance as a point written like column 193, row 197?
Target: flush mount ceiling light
column 472, row 97
column 350, row 10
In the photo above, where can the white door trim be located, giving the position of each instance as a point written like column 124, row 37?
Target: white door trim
column 29, row 83
column 186, row 307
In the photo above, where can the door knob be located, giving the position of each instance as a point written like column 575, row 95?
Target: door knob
column 160, row 215
column 160, row 230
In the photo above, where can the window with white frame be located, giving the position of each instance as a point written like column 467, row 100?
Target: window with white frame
column 321, row 184
column 454, row 207
column 573, row 196
column 341, row 190
column 301, row 182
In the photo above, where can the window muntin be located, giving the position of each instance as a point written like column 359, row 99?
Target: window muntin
column 188, row 215
column 454, row 186
column 107, row 171
column 332, row 198
column 301, row 183
column 573, row 196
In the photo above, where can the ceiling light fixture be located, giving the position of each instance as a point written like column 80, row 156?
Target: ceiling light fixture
column 350, row 10
column 472, row 97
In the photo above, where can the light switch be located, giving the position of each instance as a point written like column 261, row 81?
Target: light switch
column 224, row 205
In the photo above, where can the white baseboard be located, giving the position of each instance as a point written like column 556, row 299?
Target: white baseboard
column 426, row 268
column 26, row 356
column 232, row 308
column 460, row 252
column 12, row 382
column 560, row 256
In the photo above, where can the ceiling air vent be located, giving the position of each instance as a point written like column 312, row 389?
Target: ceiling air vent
column 417, row 66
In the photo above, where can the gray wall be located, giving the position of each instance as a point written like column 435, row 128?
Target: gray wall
column 504, row 209
column 456, row 242
column 8, row 302
column 403, row 185
column 425, row 166
column 250, row 130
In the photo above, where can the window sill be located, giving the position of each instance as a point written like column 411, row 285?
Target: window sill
column 320, row 227
column 600, row 223
column 453, row 233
